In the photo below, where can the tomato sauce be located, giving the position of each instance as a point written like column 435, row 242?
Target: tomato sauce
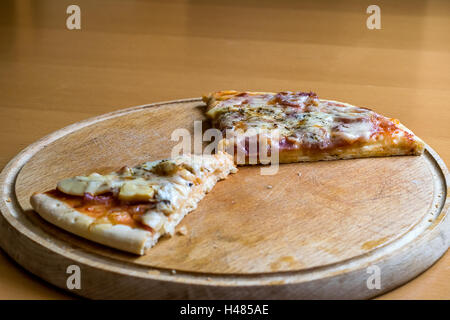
column 106, row 206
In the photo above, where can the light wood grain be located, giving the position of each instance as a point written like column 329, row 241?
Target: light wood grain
column 307, row 236
column 136, row 52
column 244, row 227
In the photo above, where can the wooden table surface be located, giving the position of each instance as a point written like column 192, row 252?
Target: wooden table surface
column 135, row 52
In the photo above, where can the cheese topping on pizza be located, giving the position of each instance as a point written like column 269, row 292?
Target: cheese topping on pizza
column 303, row 121
column 148, row 195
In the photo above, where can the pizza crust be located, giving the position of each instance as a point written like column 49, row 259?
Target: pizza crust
column 369, row 151
column 118, row 236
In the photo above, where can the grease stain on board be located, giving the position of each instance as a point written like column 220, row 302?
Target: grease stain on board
column 285, row 262
column 374, row 243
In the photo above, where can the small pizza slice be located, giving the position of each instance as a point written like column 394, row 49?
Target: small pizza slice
column 303, row 127
column 132, row 208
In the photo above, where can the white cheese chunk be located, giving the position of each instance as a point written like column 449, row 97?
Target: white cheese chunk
column 136, row 190
column 154, row 219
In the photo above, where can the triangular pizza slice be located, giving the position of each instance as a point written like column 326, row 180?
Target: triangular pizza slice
column 132, row 208
column 302, row 127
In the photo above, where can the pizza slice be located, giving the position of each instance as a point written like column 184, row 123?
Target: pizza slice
column 131, row 208
column 302, row 127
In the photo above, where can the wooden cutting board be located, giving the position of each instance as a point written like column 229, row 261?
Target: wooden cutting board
column 313, row 230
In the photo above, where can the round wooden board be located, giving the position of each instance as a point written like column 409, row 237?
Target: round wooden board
column 312, row 234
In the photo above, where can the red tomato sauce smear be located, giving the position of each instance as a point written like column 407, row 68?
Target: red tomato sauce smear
column 106, row 206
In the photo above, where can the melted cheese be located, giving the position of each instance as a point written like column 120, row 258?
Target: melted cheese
column 136, row 190
column 301, row 118
column 167, row 184
column 358, row 130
